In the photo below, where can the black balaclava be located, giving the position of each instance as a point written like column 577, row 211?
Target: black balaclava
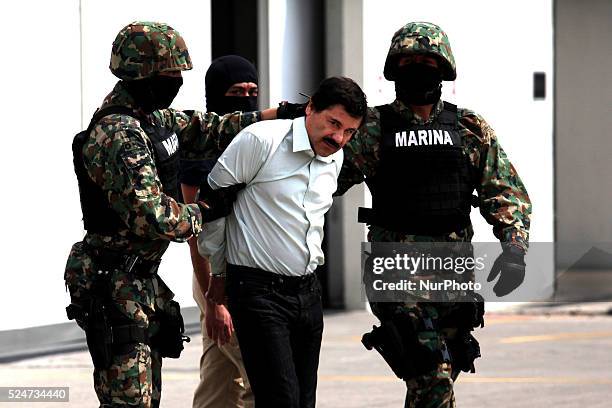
column 153, row 93
column 224, row 72
column 418, row 84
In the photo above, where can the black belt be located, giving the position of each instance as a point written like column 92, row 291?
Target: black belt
column 130, row 263
column 282, row 282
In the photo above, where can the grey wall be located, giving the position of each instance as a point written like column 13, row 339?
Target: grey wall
column 583, row 123
column 344, row 56
column 290, row 49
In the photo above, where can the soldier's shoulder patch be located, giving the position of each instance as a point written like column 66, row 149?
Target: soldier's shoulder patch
column 127, row 144
column 134, row 156
column 130, row 140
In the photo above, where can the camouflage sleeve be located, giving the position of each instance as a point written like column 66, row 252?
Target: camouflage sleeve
column 205, row 135
column 360, row 154
column 119, row 160
column 349, row 176
column 503, row 198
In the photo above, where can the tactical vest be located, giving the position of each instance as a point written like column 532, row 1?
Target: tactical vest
column 98, row 216
column 423, row 183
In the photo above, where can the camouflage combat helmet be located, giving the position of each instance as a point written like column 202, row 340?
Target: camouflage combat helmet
column 421, row 38
column 142, row 49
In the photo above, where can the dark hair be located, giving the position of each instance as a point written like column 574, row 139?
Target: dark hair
column 341, row 91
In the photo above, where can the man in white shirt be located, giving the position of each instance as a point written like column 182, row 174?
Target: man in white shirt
column 272, row 240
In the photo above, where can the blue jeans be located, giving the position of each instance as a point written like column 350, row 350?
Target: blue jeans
column 279, row 324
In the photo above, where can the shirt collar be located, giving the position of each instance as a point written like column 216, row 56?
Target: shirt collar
column 301, row 142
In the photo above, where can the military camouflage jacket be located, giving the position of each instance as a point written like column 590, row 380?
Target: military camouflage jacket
column 503, row 199
column 118, row 157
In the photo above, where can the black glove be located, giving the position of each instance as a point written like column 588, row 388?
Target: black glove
column 511, row 265
column 288, row 110
column 217, row 203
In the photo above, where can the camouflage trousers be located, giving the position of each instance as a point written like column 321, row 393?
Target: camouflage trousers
column 435, row 388
column 133, row 379
column 134, row 376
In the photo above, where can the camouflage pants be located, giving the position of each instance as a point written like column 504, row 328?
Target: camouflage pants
column 435, row 388
column 134, row 377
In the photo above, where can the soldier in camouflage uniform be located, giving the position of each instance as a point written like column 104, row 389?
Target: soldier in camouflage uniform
column 126, row 167
column 421, row 191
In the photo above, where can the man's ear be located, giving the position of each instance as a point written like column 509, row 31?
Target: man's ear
column 309, row 108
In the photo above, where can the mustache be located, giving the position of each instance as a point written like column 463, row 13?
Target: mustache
column 331, row 141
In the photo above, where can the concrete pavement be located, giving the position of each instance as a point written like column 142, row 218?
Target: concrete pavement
column 528, row 361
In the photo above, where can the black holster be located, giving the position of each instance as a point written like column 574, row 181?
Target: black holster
column 99, row 334
column 398, row 344
column 107, row 331
column 168, row 341
column 464, row 349
column 387, row 342
column 92, row 317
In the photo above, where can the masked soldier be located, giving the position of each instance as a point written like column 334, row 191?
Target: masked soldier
column 231, row 85
column 126, row 166
column 422, row 191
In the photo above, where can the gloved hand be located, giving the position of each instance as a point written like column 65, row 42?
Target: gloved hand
column 510, row 265
column 218, row 203
column 288, row 110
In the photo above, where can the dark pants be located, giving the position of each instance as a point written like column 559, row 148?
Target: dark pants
column 279, row 323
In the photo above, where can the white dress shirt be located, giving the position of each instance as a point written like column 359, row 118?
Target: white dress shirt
column 277, row 221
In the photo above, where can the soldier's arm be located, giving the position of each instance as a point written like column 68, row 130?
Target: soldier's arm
column 360, row 154
column 201, row 267
column 206, row 135
column 240, row 163
column 503, row 198
column 349, row 176
column 121, row 162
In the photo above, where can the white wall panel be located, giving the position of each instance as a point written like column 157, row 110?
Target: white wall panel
column 41, row 109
